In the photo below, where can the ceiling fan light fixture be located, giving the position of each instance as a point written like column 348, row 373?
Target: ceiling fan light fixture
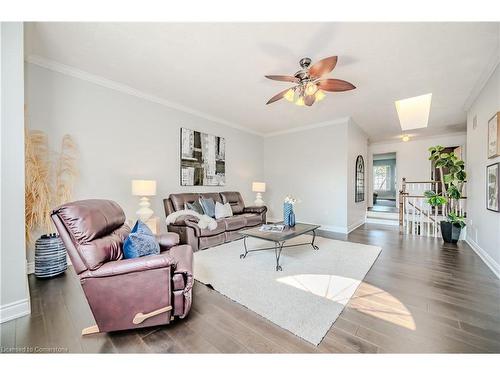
column 290, row 94
column 310, row 84
column 311, row 88
column 300, row 101
column 320, row 95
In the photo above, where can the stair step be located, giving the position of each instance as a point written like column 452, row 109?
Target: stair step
column 383, row 215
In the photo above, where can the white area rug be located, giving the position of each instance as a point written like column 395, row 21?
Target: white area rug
column 306, row 297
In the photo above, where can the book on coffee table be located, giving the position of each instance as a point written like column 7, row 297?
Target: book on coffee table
column 272, row 228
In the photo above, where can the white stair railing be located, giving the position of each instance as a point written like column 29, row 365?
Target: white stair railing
column 416, row 215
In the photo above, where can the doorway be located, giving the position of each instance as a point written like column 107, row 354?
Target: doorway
column 384, row 182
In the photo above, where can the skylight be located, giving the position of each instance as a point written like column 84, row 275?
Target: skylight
column 413, row 112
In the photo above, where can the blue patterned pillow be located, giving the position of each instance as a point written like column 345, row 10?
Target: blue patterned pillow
column 140, row 242
column 208, row 206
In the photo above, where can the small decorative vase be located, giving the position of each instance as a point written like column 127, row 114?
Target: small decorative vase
column 287, row 211
column 291, row 219
column 50, row 256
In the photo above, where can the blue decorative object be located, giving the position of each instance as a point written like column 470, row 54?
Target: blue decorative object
column 291, row 219
column 140, row 242
column 287, row 212
column 208, row 206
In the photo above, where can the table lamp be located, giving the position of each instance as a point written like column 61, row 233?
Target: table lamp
column 143, row 189
column 259, row 187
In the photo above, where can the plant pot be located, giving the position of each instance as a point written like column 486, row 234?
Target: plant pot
column 450, row 232
column 50, row 256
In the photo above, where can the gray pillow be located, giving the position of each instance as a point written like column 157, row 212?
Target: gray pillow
column 195, row 206
column 208, row 205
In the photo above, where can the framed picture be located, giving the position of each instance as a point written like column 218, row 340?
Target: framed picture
column 203, row 159
column 492, row 187
column 494, row 136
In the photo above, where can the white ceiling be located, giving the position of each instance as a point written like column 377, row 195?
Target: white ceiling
column 219, row 68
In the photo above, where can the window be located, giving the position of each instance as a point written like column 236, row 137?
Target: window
column 359, row 190
column 381, row 177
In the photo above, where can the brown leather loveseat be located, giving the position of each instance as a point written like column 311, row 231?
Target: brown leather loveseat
column 227, row 228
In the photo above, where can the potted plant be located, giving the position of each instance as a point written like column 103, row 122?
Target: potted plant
column 452, row 177
column 49, row 181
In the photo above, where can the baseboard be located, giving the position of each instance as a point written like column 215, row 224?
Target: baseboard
column 30, row 267
column 15, row 310
column 357, row 224
column 333, row 228
column 485, row 257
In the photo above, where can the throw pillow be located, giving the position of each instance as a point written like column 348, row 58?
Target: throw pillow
column 208, row 205
column 195, row 206
column 140, row 242
column 223, row 210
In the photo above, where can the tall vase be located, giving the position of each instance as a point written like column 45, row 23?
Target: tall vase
column 50, row 256
column 287, row 213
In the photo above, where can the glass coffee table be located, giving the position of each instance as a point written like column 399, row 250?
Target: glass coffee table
column 279, row 239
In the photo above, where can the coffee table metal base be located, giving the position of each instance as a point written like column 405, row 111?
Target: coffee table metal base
column 278, row 247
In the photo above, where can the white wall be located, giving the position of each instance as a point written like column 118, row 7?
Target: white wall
column 311, row 166
column 14, row 293
column 483, row 230
column 316, row 165
column 122, row 137
column 357, row 144
column 411, row 158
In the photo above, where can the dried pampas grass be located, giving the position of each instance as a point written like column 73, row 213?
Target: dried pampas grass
column 46, row 188
column 66, row 171
column 37, row 175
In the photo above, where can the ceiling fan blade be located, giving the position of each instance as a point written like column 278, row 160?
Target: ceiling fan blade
column 278, row 96
column 309, row 100
column 334, row 85
column 284, row 78
column 323, row 66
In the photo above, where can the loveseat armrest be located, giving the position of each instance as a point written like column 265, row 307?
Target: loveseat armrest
column 255, row 209
column 167, row 241
column 187, row 221
column 120, row 267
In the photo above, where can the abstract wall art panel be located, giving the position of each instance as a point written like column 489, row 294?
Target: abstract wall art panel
column 203, row 159
column 492, row 187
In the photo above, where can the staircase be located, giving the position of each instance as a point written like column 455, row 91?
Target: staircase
column 416, row 216
column 387, row 218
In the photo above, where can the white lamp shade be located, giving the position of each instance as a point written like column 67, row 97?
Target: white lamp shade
column 144, row 188
column 259, row 187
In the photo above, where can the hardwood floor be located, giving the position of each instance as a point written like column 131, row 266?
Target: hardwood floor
column 420, row 296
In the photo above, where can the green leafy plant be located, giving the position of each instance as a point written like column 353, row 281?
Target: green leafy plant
column 452, row 182
column 435, row 199
column 456, row 220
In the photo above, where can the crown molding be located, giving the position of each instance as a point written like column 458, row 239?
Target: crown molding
column 483, row 79
column 418, row 138
column 341, row 120
column 120, row 87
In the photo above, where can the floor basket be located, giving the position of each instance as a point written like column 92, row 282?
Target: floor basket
column 50, row 256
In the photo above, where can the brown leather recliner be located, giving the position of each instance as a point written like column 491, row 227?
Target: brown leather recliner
column 227, row 229
column 123, row 293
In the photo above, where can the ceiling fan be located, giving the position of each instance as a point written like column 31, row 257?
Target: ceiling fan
column 310, row 84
